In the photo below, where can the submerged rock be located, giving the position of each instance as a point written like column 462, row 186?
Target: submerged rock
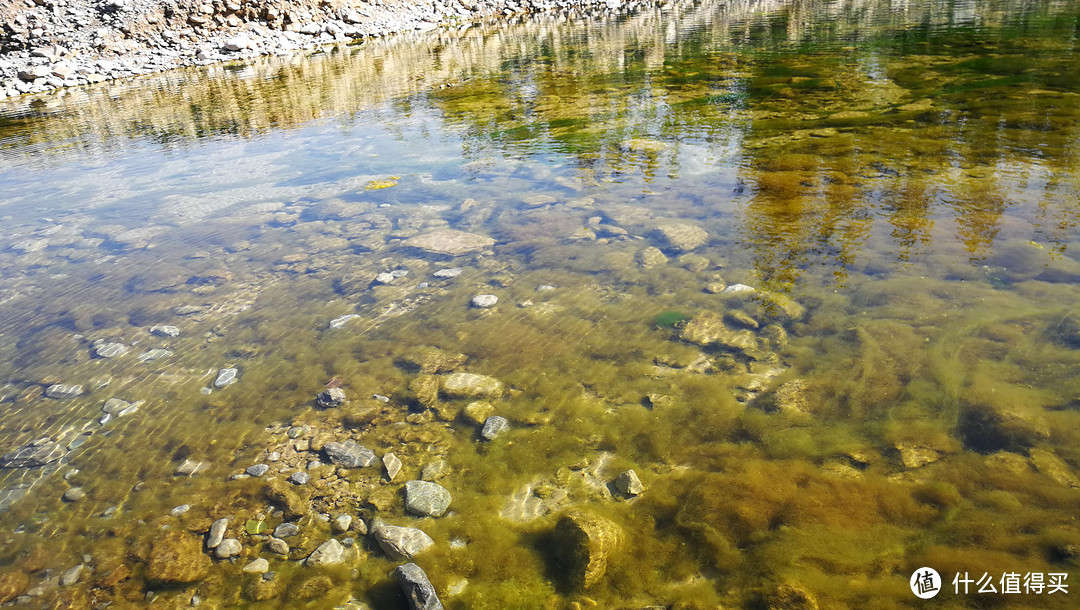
column 583, row 543
column 61, row 391
column 449, row 242
column 400, row 543
column 417, row 588
column 229, row 547
column 226, row 377
column 217, row 533
column 110, row 350
column 681, row 237
column 329, row 553
column 349, row 454
column 176, row 557
column 426, row 499
column 494, row 426
column 333, row 397
column 484, row 301
column 391, row 466
column 709, row 329
column 430, row 360
column 628, row 483
column 470, row 385
column 33, row 454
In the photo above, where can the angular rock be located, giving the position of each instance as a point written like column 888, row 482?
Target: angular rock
column 629, row 483
column 708, row 329
column 110, row 350
column 165, row 330
column 329, row 553
column 479, row 411
column 494, row 426
column 176, row 557
column 449, row 273
column 332, row 397
column 583, row 543
column 217, row 533
column 33, row 454
column 341, row 523
column 417, row 588
column 470, row 385
column 299, row 478
column 257, row 470
column 426, row 499
column 229, row 547
column 680, row 237
column 401, row 543
column 286, row 530
column 62, row 391
column 449, row 242
column 391, row 465
column 349, row 454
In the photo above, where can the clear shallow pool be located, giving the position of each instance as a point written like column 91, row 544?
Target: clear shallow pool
column 898, row 185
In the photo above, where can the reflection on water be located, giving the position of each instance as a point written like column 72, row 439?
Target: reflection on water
column 896, row 183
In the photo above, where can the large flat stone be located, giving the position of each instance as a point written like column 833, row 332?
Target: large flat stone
column 450, row 242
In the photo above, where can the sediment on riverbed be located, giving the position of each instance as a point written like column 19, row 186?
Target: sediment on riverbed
column 50, row 44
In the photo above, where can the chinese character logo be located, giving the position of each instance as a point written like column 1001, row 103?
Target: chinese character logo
column 925, row 583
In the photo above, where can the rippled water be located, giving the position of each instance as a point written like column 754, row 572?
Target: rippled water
column 898, row 183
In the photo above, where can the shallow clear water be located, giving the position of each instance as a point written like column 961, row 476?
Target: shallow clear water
column 898, row 183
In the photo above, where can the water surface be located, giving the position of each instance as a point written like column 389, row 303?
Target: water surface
column 898, row 182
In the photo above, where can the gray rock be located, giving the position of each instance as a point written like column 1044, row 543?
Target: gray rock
column 259, row 566
column 297, row 431
column 61, row 391
column 435, row 470
column 417, row 588
column 217, row 533
column 470, row 385
column 449, row 242
column 384, row 278
column 426, row 499
column 71, row 576
column 329, row 553
column 110, row 350
column 680, row 237
column 165, row 330
column 33, row 454
column 494, row 426
column 74, row 494
column 226, row 377
column 229, row 547
column 190, row 468
column 278, row 546
column 179, row 510
column 349, row 454
column 313, row 464
column 449, row 273
column 299, row 478
column 391, row 465
column 342, row 320
column 115, row 405
column 285, row 530
column 341, row 523
column 629, row 483
column 484, row 301
column 154, row 354
column 257, row 470
column 333, row 397
column 401, row 543
column 273, row 457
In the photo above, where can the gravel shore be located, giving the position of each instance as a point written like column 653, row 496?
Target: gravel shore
column 49, row 44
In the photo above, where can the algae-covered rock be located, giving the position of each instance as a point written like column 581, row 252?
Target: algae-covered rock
column 470, row 385
column 310, row 587
column 430, row 360
column 994, row 425
column 426, row 389
column 681, row 237
column 176, row 557
column 13, row 583
column 1054, row 467
column 583, row 543
column 792, row 597
column 286, row 497
column 650, row 257
column 449, row 242
column 257, row 588
column 708, row 329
